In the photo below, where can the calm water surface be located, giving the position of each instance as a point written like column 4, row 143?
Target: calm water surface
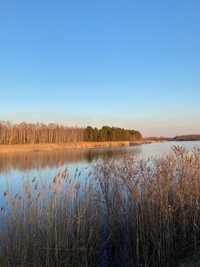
column 17, row 168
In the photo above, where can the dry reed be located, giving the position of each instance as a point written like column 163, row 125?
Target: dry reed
column 126, row 212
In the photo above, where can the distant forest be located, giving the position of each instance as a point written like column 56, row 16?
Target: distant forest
column 187, row 138
column 191, row 137
column 39, row 133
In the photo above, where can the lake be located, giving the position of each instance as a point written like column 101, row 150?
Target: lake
column 15, row 169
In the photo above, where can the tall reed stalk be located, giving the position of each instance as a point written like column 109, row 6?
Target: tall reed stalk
column 127, row 212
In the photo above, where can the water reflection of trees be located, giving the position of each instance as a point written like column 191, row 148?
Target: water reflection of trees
column 40, row 160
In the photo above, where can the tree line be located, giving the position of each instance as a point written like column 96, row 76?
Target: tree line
column 192, row 137
column 39, row 133
column 107, row 133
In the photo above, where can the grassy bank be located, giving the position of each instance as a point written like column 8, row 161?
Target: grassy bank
column 75, row 145
column 56, row 147
column 124, row 213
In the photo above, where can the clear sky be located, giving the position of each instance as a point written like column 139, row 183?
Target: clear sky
column 129, row 63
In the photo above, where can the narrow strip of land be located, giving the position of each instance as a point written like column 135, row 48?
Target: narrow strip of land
column 76, row 145
column 55, row 147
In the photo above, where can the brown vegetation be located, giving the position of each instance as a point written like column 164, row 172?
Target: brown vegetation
column 59, row 147
column 126, row 212
column 29, row 133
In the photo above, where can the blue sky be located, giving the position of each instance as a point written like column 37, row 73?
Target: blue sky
column 127, row 63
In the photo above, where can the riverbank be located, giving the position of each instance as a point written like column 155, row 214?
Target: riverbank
column 78, row 145
column 145, row 142
column 55, row 147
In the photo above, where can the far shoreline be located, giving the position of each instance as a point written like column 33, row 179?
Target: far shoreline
column 27, row 148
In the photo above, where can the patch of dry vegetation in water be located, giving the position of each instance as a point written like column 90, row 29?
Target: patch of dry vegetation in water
column 28, row 148
column 126, row 212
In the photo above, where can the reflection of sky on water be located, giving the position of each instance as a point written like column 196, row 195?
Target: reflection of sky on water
column 161, row 149
column 17, row 168
column 14, row 179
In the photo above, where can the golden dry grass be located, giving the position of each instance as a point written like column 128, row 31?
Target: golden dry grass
column 56, row 147
column 6, row 149
column 125, row 212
